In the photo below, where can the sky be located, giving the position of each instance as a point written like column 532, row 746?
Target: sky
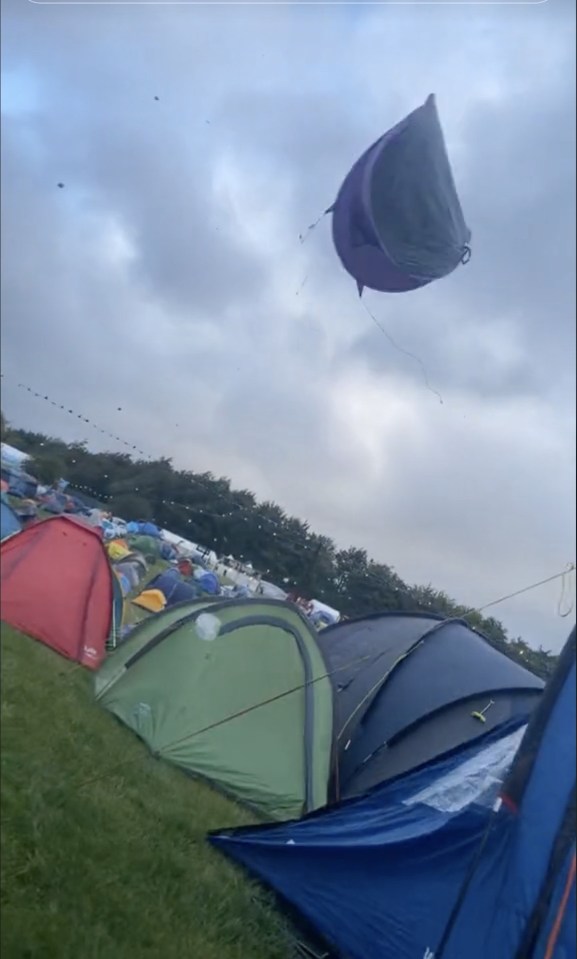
column 167, row 277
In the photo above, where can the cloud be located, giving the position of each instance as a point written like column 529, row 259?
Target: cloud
column 167, row 277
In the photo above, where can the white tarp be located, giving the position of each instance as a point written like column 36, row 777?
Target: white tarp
column 478, row 780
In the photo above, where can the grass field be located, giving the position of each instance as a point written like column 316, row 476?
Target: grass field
column 103, row 854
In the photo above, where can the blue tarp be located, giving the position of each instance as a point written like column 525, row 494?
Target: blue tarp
column 143, row 529
column 10, row 523
column 379, row 877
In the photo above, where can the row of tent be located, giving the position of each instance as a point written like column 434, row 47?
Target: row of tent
column 339, row 711
column 383, row 733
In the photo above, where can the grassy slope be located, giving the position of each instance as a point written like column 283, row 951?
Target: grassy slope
column 103, row 849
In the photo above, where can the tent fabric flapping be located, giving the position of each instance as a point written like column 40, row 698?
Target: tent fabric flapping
column 56, row 585
column 415, row 870
column 409, row 687
column 397, row 219
column 234, row 692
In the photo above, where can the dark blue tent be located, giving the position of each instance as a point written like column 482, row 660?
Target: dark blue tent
column 209, row 583
column 10, row 523
column 430, row 865
column 408, row 687
column 174, row 588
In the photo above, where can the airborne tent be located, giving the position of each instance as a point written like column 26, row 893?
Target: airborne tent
column 431, row 865
column 175, row 589
column 397, row 219
column 411, row 686
column 232, row 691
column 57, row 586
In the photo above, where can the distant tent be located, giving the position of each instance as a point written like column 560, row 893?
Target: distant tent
column 149, row 546
column 56, row 586
column 54, row 502
column 132, row 571
column 429, row 865
column 397, row 219
column 175, row 590
column 143, row 529
column 26, row 510
column 404, row 688
column 167, row 551
column 411, row 686
column 117, row 550
column 10, row 523
column 118, row 614
column 209, row 582
column 22, row 484
column 234, row 692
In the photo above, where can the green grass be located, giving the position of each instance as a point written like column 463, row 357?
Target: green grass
column 103, row 847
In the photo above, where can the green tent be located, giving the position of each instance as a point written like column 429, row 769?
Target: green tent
column 233, row 691
column 149, row 546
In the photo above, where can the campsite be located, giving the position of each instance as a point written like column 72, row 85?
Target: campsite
column 233, row 709
column 288, row 654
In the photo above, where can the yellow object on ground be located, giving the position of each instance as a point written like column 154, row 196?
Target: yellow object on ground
column 151, row 599
column 117, row 549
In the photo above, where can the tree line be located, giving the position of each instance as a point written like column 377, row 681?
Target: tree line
column 206, row 509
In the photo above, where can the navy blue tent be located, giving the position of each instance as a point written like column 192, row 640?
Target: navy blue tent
column 10, row 523
column 174, row 588
column 209, row 583
column 468, row 857
column 408, row 687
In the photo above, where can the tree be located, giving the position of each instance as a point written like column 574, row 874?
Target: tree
column 130, row 506
column 46, row 467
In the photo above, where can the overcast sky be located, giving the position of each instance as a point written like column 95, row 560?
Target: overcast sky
column 167, row 277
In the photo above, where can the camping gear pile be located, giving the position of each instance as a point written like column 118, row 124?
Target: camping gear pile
column 391, row 735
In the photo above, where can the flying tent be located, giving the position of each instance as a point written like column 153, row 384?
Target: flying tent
column 234, row 692
column 56, row 585
column 408, row 687
column 397, row 219
column 456, row 859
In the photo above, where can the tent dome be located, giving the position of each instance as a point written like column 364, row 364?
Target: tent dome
column 411, row 686
column 57, row 586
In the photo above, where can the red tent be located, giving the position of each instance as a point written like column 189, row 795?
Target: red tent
column 56, row 585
